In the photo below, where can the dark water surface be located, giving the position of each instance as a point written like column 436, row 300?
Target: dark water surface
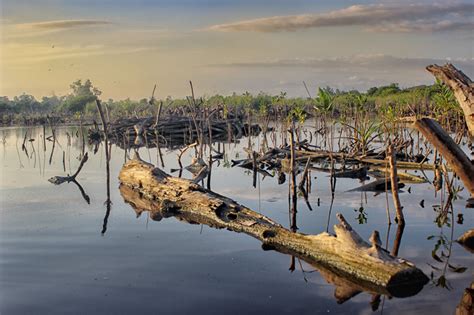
column 54, row 259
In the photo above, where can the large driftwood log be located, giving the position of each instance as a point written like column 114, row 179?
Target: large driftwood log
column 462, row 87
column 453, row 154
column 346, row 285
column 345, row 254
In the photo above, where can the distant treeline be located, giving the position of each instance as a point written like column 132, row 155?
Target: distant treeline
column 390, row 101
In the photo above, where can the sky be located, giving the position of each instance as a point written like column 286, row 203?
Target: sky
column 125, row 47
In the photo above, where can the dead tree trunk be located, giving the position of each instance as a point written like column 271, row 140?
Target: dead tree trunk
column 346, row 253
column 454, row 155
column 462, row 87
column 394, row 180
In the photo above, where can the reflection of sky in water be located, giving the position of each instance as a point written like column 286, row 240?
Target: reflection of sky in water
column 54, row 260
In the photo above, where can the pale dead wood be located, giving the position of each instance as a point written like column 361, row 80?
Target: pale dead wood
column 394, row 185
column 462, row 87
column 346, row 253
column 453, row 154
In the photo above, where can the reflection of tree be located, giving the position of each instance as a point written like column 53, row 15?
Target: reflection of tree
column 83, row 193
column 58, row 180
column 346, row 286
column 108, row 149
column 442, row 250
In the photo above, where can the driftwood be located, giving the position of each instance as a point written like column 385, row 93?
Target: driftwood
column 345, row 254
column 400, row 164
column 345, row 286
column 174, row 131
column 454, row 155
column 462, row 87
column 406, row 178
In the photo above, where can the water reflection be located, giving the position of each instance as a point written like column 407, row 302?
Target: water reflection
column 345, row 285
column 441, row 221
column 58, row 180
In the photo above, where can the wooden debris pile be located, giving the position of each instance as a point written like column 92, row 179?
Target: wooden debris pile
column 173, row 132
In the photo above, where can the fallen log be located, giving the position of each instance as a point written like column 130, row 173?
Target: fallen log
column 454, row 155
column 462, row 88
column 346, row 286
column 400, row 164
column 346, row 253
column 406, row 178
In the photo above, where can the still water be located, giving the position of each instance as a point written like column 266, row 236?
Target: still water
column 55, row 260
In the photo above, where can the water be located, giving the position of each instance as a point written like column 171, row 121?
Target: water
column 54, row 259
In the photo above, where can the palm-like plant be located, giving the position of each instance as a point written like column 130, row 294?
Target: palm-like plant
column 324, row 101
column 444, row 100
column 364, row 135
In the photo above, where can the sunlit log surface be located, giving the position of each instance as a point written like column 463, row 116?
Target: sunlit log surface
column 462, row 87
column 346, row 254
column 454, row 155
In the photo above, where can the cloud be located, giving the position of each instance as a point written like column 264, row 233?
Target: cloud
column 374, row 62
column 21, row 54
column 376, row 17
column 44, row 28
column 61, row 24
column 358, row 72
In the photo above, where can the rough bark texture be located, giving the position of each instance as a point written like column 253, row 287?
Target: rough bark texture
column 462, row 87
column 454, row 155
column 345, row 254
column 466, row 305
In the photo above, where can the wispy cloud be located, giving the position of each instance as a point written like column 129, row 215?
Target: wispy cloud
column 44, row 28
column 19, row 54
column 353, row 64
column 376, row 17
column 61, row 24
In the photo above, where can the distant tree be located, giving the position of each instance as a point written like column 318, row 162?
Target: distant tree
column 384, row 90
column 82, row 94
column 50, row 103
column 5, row 104
column 86, row 88
column 25, row 103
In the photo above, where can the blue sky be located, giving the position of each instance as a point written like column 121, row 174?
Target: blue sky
column 126, row 46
